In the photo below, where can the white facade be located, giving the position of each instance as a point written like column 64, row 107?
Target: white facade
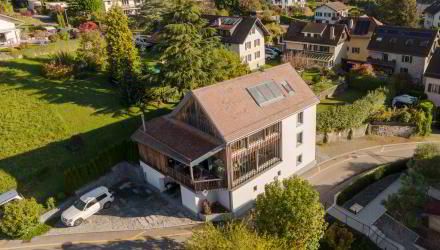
column 289, row 3
column 296, row 158
column 130, row 7
column 251, row 51
column 9, row 33
column 432, row 89
column 432, row 21
column 325, row 14
column 413, row 65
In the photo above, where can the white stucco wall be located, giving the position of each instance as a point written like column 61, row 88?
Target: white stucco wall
column 326, row 10
column 10, row 32
column 244, row 196
column 340, row 52
column 193, row 201
column 434, row 97
column 153, row 177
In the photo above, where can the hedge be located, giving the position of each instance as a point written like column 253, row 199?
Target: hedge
column 369, row 178
column 77, row 176
column 364, row 82
column 7, row 181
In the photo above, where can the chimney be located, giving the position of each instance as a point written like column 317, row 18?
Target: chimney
column 332, row 33
column 350, row 23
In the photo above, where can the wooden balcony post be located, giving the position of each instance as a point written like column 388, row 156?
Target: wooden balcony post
column 191, row 173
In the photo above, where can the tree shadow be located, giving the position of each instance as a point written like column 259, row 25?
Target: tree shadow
column 93, row 91
column 144, row 243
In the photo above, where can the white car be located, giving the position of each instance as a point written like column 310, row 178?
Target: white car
column 86, row 206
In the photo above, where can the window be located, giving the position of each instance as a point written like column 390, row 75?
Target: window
column 403, row 70
column 300, row 119
column 257, row 55
column 124, row 2
column 248, row 45
column 101, row 197
column 348, row 48
column 299, row 138
column 407, row 59
column 249, row 58
column 91, row 203
column 299, row 159
column 433, row 88
column 279, row 173
column 318, row 13
column 253, row 30
column 355, row 50
column 257, row 43
column 255, row 188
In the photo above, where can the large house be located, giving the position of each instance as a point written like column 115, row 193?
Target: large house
column 223, row 143
column 396, row 49
column 361, row 30
column 289, row 3
column 432, row 79
column 243, row 35
column 130, row 7
column 317, row 43
column 9, row 33
column 432, row 16
column 331, row 12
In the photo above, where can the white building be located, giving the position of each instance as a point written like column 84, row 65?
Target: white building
column 243, row 35
column 130, row 7
column 432, row 16
column 317, row 44
column 432, row 79
column 289, row 3
column 396, row 49
column 9, row 33
column 331, row 12
column 223, row 143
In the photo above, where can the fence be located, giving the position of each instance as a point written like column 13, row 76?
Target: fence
column 373, row 234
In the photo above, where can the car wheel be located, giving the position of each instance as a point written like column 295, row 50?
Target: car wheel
column 78, row 222
column 107, row 205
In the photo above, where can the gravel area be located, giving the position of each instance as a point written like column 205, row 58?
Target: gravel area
column 133, row 209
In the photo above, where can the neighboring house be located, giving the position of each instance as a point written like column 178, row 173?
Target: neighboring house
column 225, row 142
column 361, row 30
column 396, row 49
column 9, row 33
column 317, row 43
column 432, row 79
column 289, row 3
column 130, row 7
column 331, row 12
column 243, row 35
column 432, row 16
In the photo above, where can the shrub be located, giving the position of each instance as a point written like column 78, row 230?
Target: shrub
column 60, row 66
column 92, row 53
column 7, row 182
column 77, row 176
column 50, row 203
column 20, row 217
column 338, row 237
column 54, row 38
column 369, row 178
column 88, row 26
column 64, row 35
column 206, row 207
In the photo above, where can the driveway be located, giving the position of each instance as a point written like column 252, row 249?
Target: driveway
column 133, row 209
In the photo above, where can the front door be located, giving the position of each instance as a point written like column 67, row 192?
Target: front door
column 92, row 208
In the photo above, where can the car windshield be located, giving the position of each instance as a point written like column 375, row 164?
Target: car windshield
column 80, row 205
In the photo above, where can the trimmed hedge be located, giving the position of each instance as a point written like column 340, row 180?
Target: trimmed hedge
column 7, row 181
column 77, row 176
column 369, row 178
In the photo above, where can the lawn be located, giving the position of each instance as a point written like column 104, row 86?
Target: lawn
column 348, row 97
column 38, row 116
column 51, row 48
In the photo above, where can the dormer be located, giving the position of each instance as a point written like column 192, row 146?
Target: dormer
column 226, row 25
column 313, row 30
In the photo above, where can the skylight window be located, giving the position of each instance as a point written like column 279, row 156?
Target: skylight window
column 287, row 87
column 266, row 93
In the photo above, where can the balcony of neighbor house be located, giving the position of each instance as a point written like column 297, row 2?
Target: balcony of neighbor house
column 183, row 154
column 382, row 64
column 310, row 57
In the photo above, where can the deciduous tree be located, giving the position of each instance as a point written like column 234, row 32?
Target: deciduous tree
column 399, row 12
column 290, row 210
column 92, row 52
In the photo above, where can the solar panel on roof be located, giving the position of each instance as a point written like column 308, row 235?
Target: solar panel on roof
column 266, row 93
column 361, row 27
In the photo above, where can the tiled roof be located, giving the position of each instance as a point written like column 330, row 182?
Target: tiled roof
column 296, row 29
column 242, row 29
column 433, row 69
column 362, row 25
column 235, row 113
column 403, row 40
column 175, row 139
column 433, row 9
column 337, row 6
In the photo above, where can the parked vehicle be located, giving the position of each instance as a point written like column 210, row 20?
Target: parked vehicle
column 86, row 206
column 274, row 49
column 9, row 196
column 270, row 54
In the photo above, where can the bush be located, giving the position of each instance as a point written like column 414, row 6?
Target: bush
column 77, row 176
column 64, row 35
column 60, row 66
column 20, row 218
column 369, row 178
column 50, row 203
column 7, row 182
column 54, row 38
column 92, row 53
column 88, row 26
column 338, row 237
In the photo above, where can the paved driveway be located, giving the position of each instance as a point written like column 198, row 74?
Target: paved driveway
column 133, row 209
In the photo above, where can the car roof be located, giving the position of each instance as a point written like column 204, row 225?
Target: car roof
column 93, row 193
column 8, row 196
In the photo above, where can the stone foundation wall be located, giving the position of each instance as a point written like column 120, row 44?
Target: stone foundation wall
column 344, row 135
column 392, row 129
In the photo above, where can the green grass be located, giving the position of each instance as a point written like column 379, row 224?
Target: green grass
column 42, row 50
column 308, row 75
column 38, row 116
column 348, row 97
